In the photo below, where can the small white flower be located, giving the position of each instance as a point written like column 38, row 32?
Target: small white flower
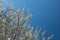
column 9, row 38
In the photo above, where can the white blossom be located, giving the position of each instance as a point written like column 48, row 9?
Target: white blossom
column 16, row 27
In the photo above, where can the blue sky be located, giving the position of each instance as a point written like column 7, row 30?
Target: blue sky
column 46, row 14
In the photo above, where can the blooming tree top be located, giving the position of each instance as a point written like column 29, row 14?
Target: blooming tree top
column 15, row 26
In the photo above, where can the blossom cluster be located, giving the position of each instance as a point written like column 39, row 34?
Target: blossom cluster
column 15, row 26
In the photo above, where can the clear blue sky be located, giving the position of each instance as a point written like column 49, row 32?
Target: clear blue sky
column 46, row 14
